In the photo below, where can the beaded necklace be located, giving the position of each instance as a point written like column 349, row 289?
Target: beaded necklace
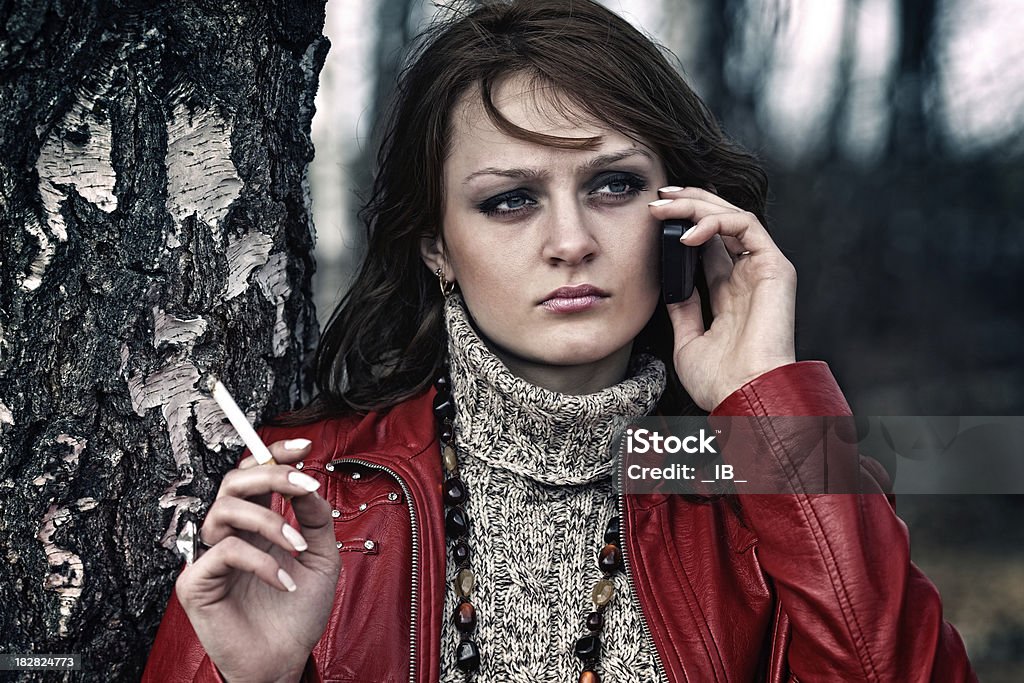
column 457, row 529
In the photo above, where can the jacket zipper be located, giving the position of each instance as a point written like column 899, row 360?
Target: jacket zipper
column 415, row 561
column 634, row 598
column 415, row 555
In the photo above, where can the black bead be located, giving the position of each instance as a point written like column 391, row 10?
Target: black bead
column 611, row 534
column 610, row 559
column 595, row 621
column 446, row 434
column 444, row 409
column 456, row 523
column 588, row 648
column 443, row 385
column 465, row 617
column 455, row 492
column 467, row 656
column 460, row 553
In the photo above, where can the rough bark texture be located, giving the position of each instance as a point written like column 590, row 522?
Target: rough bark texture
column 155, row 226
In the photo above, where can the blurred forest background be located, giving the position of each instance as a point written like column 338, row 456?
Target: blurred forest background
column 893, row 133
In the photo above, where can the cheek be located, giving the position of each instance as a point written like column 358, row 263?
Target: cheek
column 645, row 256
column 483, row 262
column 462, row 245
column 478, row 263
column 645, row 291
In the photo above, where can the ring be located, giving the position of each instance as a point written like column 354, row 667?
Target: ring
column 742, row 254
column 189, row 542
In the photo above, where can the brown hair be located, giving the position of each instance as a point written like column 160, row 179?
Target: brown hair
column 385, row 341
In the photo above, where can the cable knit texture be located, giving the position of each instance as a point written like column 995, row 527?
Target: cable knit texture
column 539, row 467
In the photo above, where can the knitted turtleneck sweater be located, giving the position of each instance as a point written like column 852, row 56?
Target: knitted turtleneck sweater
column 539, row 466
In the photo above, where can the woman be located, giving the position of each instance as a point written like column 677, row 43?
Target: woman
column 514, row 232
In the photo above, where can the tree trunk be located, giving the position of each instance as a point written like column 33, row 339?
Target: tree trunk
column 910, row 133
column 839, row 114
column 393, row 35
column 155, row 227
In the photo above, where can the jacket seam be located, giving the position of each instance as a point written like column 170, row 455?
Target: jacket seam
column 683, row 579
column 656, row 605
column 824, row 548
column 773, row 654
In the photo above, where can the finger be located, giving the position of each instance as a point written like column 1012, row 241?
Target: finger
column 228, row 516
column 231, row 555
column 734, row 247
column 673, row 192
column 260, row 481
column 290, row 450
column 744, row 227
column 313, row 514
column 686, row 208
column 687, row 321
column 718, row 266
column 284, row 452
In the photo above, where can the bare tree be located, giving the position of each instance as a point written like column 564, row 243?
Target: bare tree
column 838, row 114
column 394, row 33
column 738, row 42
column 155, row 227
column 909, row 135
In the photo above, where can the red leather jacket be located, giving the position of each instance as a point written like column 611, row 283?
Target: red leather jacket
column 807, row 588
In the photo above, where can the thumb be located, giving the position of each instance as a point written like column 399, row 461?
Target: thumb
column 687, row 321
column 313, row 514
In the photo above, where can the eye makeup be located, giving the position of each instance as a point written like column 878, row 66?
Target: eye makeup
column 622, row 186
column 517, row 200
column 620, row 183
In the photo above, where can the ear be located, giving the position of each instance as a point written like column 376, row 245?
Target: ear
column 432, row 253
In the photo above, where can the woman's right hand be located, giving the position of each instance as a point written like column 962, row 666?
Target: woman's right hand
column 257, row 609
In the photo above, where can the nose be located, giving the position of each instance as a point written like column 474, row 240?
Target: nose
column 568, row 239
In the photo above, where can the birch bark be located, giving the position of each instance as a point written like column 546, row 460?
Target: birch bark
column 155, row 226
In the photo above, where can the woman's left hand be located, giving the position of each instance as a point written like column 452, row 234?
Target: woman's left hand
column 753, row 299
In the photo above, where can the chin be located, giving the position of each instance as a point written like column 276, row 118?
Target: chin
column 575, row 352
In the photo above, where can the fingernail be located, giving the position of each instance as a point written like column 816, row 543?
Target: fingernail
column 687, row 233
column 288, row 582
column 670, row 188
column 303, row 481
column 660, row 202
column 294, row 537
column 296, row 444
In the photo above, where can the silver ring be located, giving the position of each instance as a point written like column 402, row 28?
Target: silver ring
column 742, row 254
column 189, row 544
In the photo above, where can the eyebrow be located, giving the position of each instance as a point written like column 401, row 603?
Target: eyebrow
column 530, row 173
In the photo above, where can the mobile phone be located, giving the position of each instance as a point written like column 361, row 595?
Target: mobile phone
column 678, row 262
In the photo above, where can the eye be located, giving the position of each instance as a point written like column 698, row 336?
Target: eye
column 618, row 186
column 507, row 203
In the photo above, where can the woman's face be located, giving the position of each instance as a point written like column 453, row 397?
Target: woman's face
column 523, row 221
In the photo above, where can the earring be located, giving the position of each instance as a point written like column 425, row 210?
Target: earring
column 447, row 286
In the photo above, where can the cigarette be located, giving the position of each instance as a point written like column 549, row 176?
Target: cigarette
column 241, row 424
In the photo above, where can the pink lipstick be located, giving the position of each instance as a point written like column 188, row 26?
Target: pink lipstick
column 573, row 299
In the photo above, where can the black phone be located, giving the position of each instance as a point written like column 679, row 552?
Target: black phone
column 678, row 262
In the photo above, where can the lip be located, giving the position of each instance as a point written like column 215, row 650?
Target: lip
column 573, row 299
